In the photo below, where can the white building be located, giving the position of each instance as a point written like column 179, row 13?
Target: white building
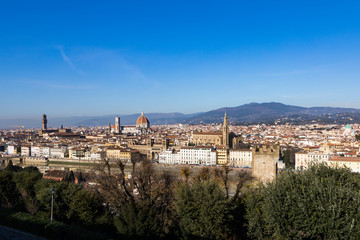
column 240, row 157
column 58, row 152
column 303, row 159
column 25, row 151
column 11, row 149
column 35, row 151
column 169, row 157
column 45, row 152
column 201, row 155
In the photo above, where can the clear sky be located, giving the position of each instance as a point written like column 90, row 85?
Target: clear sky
column 69, row 58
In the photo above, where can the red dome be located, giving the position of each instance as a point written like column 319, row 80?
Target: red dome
column 142, row 121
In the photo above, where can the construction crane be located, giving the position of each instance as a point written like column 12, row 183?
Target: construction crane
column 21, row 127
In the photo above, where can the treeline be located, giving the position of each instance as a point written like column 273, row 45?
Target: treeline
column 318, row 203
column 24, row 190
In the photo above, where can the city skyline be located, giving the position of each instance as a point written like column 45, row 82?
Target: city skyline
column 72, row 59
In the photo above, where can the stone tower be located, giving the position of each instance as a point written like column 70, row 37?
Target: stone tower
column 109, row 128
column 225, row 132
column 44, row 122
column 264, row 162
column 117, row 125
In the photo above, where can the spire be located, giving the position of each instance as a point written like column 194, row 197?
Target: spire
column 225, row 119
column 225, row 132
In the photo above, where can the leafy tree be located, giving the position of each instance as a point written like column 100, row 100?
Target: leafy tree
column 64, row 194
column 25, row 181
column 11, row 167
column 10, row 197
column 203, row 210
column 288, row 156
column 319, row 203
column 357, row 137
column 86, row 207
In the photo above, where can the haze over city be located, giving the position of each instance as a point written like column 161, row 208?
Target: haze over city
column 89, row 58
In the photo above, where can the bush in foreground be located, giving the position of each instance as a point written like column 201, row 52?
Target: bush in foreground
column 319, row 203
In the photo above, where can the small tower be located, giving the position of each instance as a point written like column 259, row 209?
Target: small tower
column 109, row 128
column 44, row 122
column 225, row 132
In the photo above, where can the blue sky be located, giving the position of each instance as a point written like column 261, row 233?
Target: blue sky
column 69, row 58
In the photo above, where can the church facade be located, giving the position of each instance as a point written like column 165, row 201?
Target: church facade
column 213, row 138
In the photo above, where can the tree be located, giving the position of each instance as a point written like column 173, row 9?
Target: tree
column 25, row 181
column 86, row 207
column 288, row 156
column 10, row 196
column 204, row 175
column 357, row 137
column 71, row 177
column 185, row 172
column 319, row 203
column 203, row 210
column 222, row 175
column 11, row 167
column 64, row 194
column 80, row 178
column 143, row 204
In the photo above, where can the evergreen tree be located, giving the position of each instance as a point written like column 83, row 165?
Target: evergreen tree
column 204, row 210
column 319, row 203
column 71, row 177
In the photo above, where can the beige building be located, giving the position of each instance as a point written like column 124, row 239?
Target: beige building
column 222, row 155
column 240, row 157
column 152, row 149
column 117, row 153
column 206, row 138
column 350, row 162
column 213, row 138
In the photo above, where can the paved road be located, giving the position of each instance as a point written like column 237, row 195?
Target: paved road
column 7, row 233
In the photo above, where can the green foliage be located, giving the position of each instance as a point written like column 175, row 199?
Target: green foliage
column 42, row 226
column 71, row 177
column 288, row 156
column 25, row 181
column 357, row 137
column 64, row 194
column 80, row 178
column 203, row 210
column 86, row 207
column 9, row 194
column 11, row 167
column 319, row 203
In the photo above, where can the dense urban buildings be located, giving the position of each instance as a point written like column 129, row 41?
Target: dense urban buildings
column 259, row 147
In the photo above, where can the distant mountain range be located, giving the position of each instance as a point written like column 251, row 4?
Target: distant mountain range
column 247, row 113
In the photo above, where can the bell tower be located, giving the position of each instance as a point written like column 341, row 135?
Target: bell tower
column 225, row 132
column 44, row 122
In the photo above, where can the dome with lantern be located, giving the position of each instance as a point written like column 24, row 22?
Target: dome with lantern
column 142, row 122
